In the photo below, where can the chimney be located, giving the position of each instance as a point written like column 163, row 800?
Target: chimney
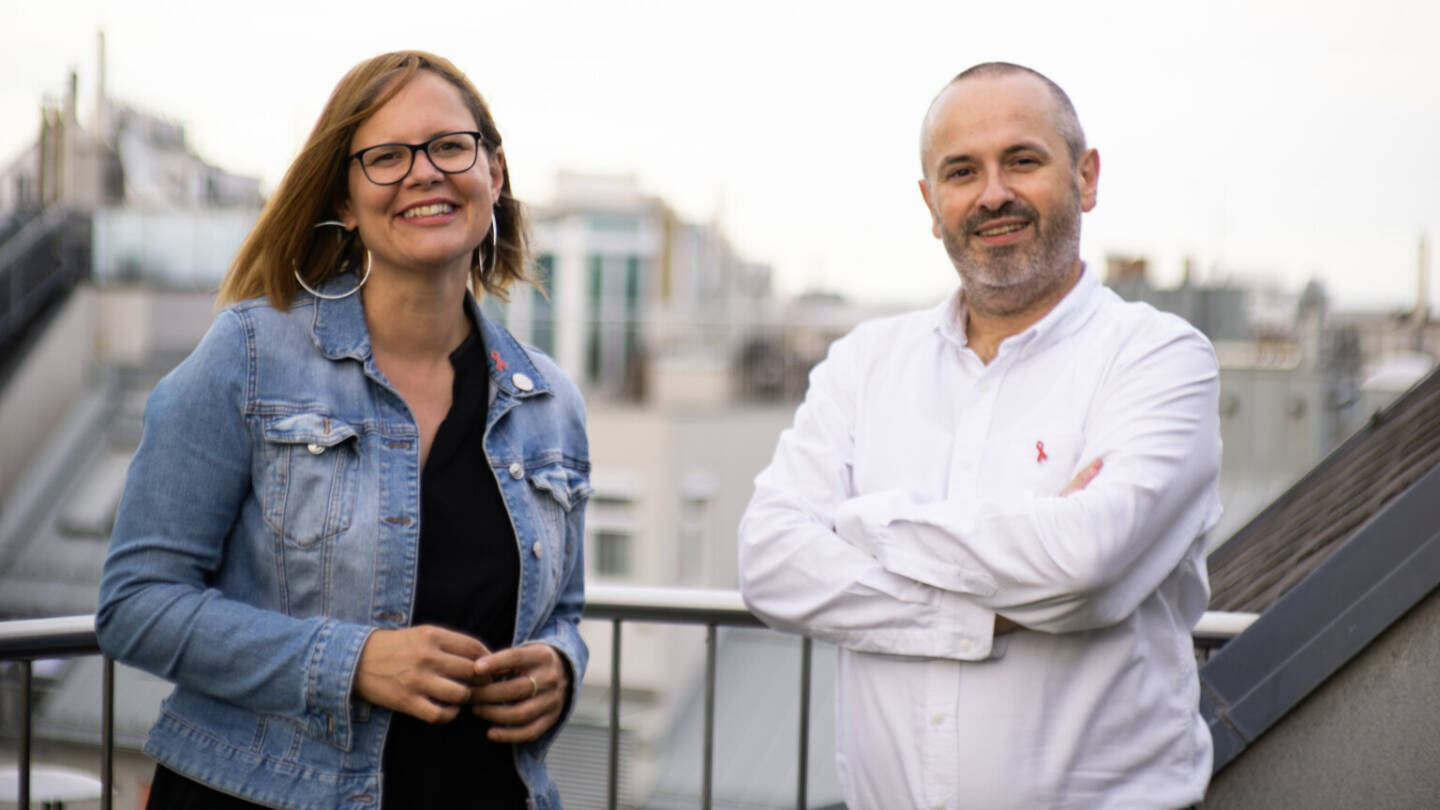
column 102, row 128
column 1121, row 269
column 70, row 112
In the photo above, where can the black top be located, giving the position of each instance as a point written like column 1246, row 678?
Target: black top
column 468, row 581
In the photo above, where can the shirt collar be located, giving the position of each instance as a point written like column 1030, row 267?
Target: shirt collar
column 1062, row 320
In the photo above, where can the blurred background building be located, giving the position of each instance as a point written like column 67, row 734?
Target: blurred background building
column 1296, row 377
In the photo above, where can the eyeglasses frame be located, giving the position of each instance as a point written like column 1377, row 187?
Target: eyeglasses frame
column 421, row 147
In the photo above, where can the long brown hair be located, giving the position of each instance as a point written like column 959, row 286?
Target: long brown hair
column 285, row 238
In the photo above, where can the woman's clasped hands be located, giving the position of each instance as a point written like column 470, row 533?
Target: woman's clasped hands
column 432, row 673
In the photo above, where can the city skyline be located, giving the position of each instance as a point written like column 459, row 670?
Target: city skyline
column 1275, row 139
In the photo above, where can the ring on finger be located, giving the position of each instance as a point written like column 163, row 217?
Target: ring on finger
column 534, row 686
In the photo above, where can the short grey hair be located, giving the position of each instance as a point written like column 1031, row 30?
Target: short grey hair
column 1067, row 122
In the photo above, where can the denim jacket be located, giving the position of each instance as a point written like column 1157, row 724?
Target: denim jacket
column 270, row 523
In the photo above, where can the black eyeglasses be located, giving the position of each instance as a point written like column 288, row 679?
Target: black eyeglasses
column 388, row 163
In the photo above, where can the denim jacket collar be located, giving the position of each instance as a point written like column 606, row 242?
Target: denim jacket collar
column 339, row 330
column 509, row 362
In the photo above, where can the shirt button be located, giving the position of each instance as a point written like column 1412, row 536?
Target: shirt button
column 517, row 470
column 537, row 549
column 522, row 382
column 938, row 806
column 965, row 464
column 315, row 449
column 964, row 645
column 937, row 718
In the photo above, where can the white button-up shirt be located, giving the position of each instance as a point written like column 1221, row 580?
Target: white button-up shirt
column 917, row 497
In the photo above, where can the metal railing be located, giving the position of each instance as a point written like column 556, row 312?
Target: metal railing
column 713, row 609
column 28, row 640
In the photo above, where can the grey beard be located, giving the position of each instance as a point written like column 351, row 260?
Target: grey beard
column 1013, row 280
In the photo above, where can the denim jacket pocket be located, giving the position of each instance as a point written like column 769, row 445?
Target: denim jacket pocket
column 567, row 486
column 559, row 489
column 310, row 476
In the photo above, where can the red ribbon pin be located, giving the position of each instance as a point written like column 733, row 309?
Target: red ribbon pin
column 500, row 365
column 1040, row 451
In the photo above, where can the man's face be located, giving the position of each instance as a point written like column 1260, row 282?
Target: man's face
column 1003, row 194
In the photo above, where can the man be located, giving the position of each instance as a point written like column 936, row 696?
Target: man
column 997, row 507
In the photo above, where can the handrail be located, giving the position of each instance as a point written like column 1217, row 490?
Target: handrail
column 1221, row 625
column 726, row 607
column 662, row 604
column 75, row 635
column 30, row 639
column 48, row 638
column 64, row 636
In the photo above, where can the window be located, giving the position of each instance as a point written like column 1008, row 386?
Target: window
column 631, row 350
column 542, row 312
column 596, row 307
column 632, row 286
column 690, row 541
column 613, row 223
column 697, row 487
column 610, row 528
column 612, row 553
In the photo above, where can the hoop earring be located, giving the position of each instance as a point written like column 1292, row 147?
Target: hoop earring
column 347, row 294
column 494, row 241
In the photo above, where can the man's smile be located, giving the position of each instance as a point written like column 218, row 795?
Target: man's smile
column 1002, row 232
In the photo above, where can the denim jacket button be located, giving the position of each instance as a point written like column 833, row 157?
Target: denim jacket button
column 537, row 549
column 517, row 470
column 315, row 449
column 523, row 382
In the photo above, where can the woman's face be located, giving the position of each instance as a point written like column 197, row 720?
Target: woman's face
column 430, row 221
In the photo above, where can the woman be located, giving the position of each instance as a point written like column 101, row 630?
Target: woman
column 351, row 533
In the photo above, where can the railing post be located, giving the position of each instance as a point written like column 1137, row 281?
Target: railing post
column 801, row 787
column 709, row 762
column 26, row 676
column 612, row 787
column 107, row 736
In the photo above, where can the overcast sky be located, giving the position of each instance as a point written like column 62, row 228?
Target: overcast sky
column 1266, row 138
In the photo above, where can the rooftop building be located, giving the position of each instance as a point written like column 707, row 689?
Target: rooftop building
column 1296, row 377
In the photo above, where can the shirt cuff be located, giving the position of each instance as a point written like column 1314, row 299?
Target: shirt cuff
column 330, row 681
column 892, row 549
column 973, row 626
column 883, row 525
